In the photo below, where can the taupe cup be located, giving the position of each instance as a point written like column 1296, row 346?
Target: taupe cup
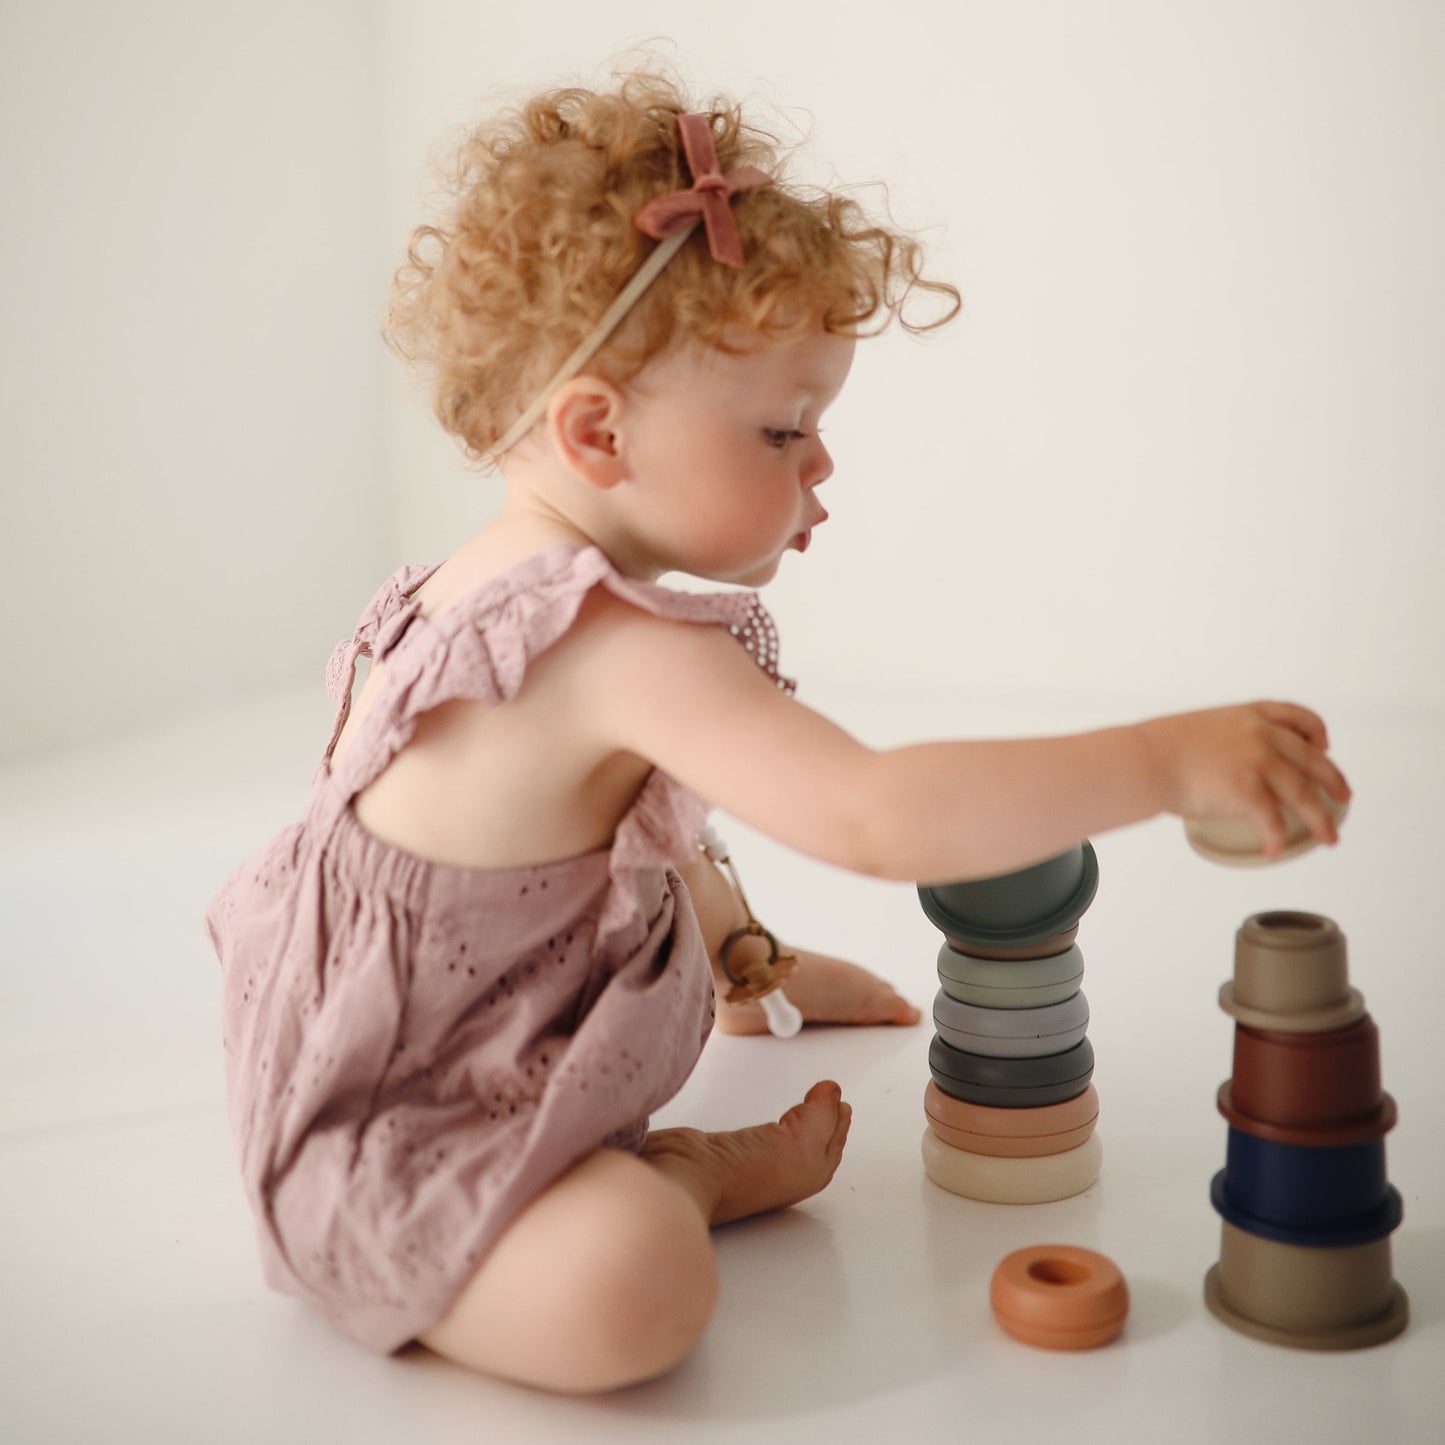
column 1291, row 974
column 1239, row 844
column 1341, row 1298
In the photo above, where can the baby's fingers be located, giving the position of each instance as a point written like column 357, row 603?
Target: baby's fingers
column 1317, row 766
column 1302, row 796
column 1265, row 811
column 1300, row 720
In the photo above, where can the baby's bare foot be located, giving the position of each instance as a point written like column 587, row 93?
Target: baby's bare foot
column 770, row 1166
column 825, row 990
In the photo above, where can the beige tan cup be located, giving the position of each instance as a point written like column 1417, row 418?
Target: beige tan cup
column 1341, row 1298
column 1291, row 974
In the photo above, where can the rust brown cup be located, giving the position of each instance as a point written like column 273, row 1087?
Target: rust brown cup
column 1317, row 1136
column 1303, row 1081
column 1059, row 943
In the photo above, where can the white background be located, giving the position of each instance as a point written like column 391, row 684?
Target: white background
column 1182, row 445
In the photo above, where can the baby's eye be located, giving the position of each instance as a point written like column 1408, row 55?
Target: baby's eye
column 779, row 437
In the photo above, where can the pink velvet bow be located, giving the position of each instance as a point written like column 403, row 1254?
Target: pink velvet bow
column 707, row 196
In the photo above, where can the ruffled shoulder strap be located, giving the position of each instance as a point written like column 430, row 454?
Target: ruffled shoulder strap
column 481, row 646
column 381, row 626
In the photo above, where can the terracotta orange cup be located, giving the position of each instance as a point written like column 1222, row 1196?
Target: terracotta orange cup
column 1011, row 1133
column 1059, row 1297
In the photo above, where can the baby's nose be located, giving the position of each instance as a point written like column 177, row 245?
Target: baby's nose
column 820, row 466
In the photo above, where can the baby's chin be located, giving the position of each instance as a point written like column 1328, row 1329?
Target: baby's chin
column 753, row 575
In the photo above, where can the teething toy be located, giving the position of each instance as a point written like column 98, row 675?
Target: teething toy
column 760, row 980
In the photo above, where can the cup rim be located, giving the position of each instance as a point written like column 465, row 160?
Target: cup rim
column 1021, row 935
column 1347, row 1337
column 1379, row 1222
column 1363, row 1130
column 1348, row 1010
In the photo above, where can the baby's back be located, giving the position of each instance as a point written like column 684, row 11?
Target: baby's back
column 499, row 786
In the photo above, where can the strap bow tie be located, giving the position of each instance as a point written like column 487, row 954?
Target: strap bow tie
column 707, row 197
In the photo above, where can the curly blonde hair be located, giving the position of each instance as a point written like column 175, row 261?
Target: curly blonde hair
column 537, row 239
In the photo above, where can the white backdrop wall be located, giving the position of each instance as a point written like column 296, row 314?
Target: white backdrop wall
column 1182, row 445
column 191, row 471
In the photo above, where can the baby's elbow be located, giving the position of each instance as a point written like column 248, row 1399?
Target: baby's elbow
column 871, row 835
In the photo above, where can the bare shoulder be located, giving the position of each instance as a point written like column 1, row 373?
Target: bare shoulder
column 620, row 643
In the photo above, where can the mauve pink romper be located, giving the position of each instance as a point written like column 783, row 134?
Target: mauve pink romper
column 415, row 1051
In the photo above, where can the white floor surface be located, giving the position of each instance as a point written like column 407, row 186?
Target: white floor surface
column 131, row 1307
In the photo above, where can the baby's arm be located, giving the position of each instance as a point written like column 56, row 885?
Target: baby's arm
column 690, row 700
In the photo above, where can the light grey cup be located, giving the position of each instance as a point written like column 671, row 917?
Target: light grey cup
column 1025, row 983
column 1011, row 1033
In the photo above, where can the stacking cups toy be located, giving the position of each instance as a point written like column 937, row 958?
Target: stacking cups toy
column 1288, row 1294
column 1306, row 1207
column 1236, row 842
column 1015, row 910
column 1316, row 1088
column 1303, row 1196
column 1011, row 1083
column 1011, row 1133
column 1291, row 975
column 1045, row 948
column 996, row 1179
column 1059, row 1297
column 1011, row 1111
column 1011, row 1033
column 1010, row 983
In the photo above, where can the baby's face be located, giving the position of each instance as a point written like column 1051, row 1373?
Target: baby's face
column 724, row 454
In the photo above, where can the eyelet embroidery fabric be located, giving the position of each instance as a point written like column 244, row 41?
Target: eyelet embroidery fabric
column 414, row 1051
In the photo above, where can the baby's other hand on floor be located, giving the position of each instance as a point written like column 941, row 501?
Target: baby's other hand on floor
column 824, row 990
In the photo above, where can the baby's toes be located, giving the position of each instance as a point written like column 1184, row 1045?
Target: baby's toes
column 814, row 1122
column 890, row 1007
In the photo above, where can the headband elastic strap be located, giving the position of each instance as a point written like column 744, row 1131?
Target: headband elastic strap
column 672, row 218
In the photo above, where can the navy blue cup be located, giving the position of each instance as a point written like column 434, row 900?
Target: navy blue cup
column 1299, row 1187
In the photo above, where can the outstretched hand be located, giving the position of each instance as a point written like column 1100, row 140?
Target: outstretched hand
column 1250, row 762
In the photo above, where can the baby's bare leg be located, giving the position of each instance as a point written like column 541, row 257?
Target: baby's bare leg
column 823, row 989
column 609, row 1278
column 749, row 1171
column 606, row 1279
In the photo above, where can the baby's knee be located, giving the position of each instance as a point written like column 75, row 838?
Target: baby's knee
column 607, row 1280
column 648, row 1287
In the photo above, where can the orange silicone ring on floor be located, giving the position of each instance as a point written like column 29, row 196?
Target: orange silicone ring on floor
column 1059, row 1297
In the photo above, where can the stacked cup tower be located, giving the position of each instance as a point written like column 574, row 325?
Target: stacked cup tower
column 1011, row 1107
column 1306, row 1207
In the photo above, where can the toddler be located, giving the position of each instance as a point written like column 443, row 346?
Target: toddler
column 457, row 988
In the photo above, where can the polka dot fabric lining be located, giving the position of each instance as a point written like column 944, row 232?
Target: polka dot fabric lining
column 414, row 1051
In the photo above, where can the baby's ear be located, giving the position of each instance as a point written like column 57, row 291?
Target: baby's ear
column 582, row 421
